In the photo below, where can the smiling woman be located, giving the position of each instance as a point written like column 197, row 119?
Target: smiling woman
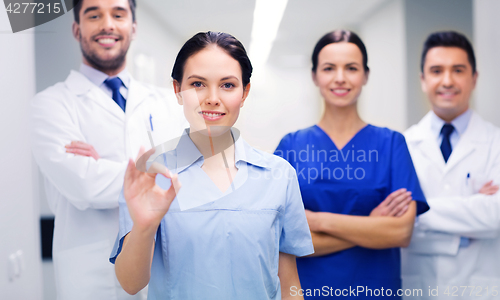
column 359, row 212
column 197, row 75
column 229, row 232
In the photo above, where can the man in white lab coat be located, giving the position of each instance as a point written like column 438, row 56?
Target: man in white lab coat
column 85, row 129
column 455, row 246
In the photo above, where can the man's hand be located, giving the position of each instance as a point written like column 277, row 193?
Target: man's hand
column 395, row 205
column 489, row 188
column 82, row 149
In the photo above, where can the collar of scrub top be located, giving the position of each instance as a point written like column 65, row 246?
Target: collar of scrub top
column 188, row 154
column 97, row 77
column 460, row 123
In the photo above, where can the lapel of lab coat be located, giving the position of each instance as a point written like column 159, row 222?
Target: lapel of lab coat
column 472, row 138
column 426, row 142
column 137, row 93
column 84, row 89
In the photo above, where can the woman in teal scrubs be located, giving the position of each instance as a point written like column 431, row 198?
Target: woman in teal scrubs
column 358, row 183
column 234, row 228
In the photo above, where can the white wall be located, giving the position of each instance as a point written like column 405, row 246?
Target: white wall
column 382, row 101
column 19, row 226
column 487, row 49
column 281, row 100
column 152, row 54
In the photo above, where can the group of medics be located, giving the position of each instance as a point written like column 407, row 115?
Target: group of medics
column 432, row 191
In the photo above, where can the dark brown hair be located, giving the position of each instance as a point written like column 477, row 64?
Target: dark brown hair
column 448, row 39
column 225, row 41
column 338, row 36
column 77, row 6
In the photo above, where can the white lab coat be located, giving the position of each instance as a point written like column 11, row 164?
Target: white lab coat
column 82, row 192
column 434, row 257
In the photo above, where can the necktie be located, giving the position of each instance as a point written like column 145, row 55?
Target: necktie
column 446, row 150
column 114, row 84
column 445, row 144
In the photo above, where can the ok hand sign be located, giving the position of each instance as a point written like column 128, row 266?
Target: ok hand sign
column 147, row 202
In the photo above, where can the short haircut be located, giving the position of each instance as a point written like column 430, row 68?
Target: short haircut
column 77, row 6
column 448, row 39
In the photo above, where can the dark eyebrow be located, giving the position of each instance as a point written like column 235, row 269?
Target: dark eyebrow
column 454, row 66
column 120, row 8
column 89, row 9
column 92, row 8
column 349, row 64
column 229, row 77
column 196, row 76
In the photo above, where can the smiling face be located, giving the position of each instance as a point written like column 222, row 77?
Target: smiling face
column 340, row 75
column 448, row 81
column 211, row 90
column 105, row 32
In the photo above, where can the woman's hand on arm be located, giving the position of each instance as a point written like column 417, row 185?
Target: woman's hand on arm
column 390, row 224
column 395, row 205
column 289, row 278
column 369, row 232
column 147, row 204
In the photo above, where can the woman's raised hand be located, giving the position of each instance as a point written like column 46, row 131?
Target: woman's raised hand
column 147, row 202
column 395, row 205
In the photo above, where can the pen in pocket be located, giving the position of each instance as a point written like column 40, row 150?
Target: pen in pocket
column 150, row 132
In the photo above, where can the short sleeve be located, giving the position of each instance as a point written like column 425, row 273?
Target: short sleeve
column 125, row 221
column 284, row 148
column 403, row 174
column 125, row 227
column 295, row 236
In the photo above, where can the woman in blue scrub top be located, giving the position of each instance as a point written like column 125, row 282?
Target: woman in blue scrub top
column 358, row 183
column 234, row 228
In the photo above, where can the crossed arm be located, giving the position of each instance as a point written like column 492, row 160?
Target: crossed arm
column 85, row 181
column 389, row 225
column 476, row 216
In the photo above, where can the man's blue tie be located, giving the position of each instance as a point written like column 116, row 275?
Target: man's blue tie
column 114, row 84
column 445, row 144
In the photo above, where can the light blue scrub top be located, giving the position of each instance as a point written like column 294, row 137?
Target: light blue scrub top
column 229, row 247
